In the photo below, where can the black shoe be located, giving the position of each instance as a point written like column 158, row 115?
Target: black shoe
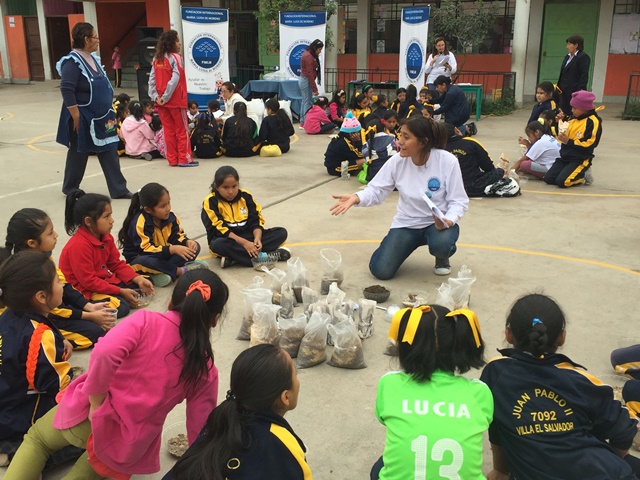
column 472, row 129
column 126, row 196
column 284, row 254
column 442, row 267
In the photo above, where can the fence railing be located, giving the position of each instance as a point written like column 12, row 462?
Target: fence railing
column 632, row 104
column 497, row 87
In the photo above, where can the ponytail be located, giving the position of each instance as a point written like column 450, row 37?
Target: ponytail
column 199, row 296
column 80, row 205
column 26, row 224
column 134, row 209
column 258, row 377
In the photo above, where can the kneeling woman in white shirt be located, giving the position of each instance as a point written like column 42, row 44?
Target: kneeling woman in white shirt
column 422, row 167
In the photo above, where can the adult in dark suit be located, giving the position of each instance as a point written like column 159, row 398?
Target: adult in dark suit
column 574, row 73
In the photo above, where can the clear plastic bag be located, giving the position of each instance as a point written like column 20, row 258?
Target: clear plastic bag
column 335, row 295
column 309, row 297
column 444, row 297
column 250, row 297
column 320, row 306
column 367, row 309
column 277, row 278
column 265, row 325
column 331, row 269
column 313, row 348
column 287, row 301
column 297, row 276
column 337, row 317
column 350, row 308
column 348, row 351
column 461, row 287
column 392, row 348
column 291, row 333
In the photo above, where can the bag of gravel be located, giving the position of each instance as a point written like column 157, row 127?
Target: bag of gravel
column 265, row 326
column 348, row 351
column 250, row 297
column 331, row 269
column 291, row 333
column 313, row 348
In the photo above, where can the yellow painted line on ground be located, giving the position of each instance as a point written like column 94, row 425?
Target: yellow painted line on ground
column 481, row 247
column 30, row 144
column 9, row 115
column 572, row 194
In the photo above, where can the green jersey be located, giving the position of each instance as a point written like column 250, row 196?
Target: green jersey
column 434, row 429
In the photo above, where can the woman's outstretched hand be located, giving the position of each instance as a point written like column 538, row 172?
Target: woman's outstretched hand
column 344, row 203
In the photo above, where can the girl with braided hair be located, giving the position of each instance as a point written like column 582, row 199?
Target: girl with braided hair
column 246, row 436
column 137, row 374
column 552, row 419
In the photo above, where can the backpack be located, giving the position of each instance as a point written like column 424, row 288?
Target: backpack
column 505, row 187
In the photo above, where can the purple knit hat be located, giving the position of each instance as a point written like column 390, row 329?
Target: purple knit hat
column 583, row 100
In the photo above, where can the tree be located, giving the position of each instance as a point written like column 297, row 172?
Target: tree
column 464, row 24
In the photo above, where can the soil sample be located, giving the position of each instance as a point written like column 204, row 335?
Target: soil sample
column 348, row 351
column 392, row 348
column 313, row 348
column 265, row 327
column 325, row 283
column 287, row 301
column 292, row 333
column 178, row 445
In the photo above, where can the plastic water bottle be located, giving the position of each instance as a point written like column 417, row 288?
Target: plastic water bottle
column 344, row 170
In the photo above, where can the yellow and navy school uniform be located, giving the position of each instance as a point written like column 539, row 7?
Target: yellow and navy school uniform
column 626, row 361
column 538, row 108
column 147, row 246
column 241, row 216
column 395, row 106
column 553, row 420
column 576, row 155
column 33, row 369
column 274, row 452
column 361, row 114
column 80, row 332
column 342, row 148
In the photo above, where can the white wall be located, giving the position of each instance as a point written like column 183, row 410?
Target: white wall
column 602, row 48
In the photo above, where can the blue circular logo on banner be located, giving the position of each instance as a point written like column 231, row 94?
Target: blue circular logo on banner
column 433, row 184
column 294, row 56
column 413, row 60
column 206, row 53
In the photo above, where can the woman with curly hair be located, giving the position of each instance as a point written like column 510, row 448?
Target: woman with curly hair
column 168, row 88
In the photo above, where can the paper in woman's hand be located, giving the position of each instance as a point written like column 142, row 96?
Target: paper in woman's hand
column 436, row 212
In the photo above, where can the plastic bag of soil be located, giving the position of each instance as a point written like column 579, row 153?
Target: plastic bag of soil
column 320, row 306
column 309, row 296
column 350, row 308
column 287, row 301
column 297, row 276
column 265, row 325
column 461, row 287
column 444, row 297
column 331, row 269
column 291, row 333
column 277, row 278
column 335, row 296
column 392, row 348
column 336, row 318
column 250, row 297
column 313, row 348
column 348, row 351
column 366, row 310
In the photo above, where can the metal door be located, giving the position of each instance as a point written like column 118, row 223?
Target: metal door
column 34, row 49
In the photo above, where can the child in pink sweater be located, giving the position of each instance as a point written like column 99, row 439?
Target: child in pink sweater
column 137, row 134
column 137, row 373
column 316, row 120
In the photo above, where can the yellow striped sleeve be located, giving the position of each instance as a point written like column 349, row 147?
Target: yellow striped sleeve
column 293, row 446
column 182, row 237
column 591, row 378
column 146, row 244
column 61, row 368
column 217, row 222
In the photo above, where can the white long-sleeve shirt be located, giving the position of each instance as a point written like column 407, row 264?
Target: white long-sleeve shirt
column 439, row 68
column 440, row 177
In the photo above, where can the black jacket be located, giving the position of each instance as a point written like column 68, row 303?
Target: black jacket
column 454, row 105
column 276, row 452
column 270, row 134
column 573, row 77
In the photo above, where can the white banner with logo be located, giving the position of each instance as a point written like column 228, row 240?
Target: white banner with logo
column 297, row 31
column 206, row 51
column 413, row 45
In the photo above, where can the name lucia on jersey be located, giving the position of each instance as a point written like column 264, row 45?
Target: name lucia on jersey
column 441, row 409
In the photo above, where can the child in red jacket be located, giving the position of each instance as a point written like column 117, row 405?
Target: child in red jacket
column 316, row 120
column 90, row 260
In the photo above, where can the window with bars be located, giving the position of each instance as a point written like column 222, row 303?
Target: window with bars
column 625, row 38
column 626, row 6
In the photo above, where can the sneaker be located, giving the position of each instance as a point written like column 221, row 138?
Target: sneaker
column 194, row 163
column 301, row 127
column 4, row 460
column 472, row 129
column 588, row 176
column 147, row 156
column 160, row 279
column 226, row 262
column 442, row 267
column 284, row 254
column 196, row 265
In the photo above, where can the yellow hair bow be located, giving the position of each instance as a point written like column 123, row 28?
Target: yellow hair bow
column 472, row 318
column 412, row 324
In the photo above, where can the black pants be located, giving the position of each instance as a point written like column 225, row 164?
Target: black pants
column 118, row 79
column 272, row 238
column 476, row 188
column 77, row 164
column 566, row 174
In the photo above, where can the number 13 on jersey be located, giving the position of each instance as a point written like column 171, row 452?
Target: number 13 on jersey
column 420, row 446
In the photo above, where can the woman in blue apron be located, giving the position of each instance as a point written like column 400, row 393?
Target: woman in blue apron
column 87, row 120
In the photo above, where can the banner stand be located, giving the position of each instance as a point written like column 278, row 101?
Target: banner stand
column 413, row 45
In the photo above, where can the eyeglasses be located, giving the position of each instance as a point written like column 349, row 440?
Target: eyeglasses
column 95, row 38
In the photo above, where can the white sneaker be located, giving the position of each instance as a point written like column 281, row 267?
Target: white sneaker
column 588, row 176
column 226, row 262
column 442, row 267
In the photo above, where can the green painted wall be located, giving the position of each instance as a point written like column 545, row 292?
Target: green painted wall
column 21, row 7
column 268, row 60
